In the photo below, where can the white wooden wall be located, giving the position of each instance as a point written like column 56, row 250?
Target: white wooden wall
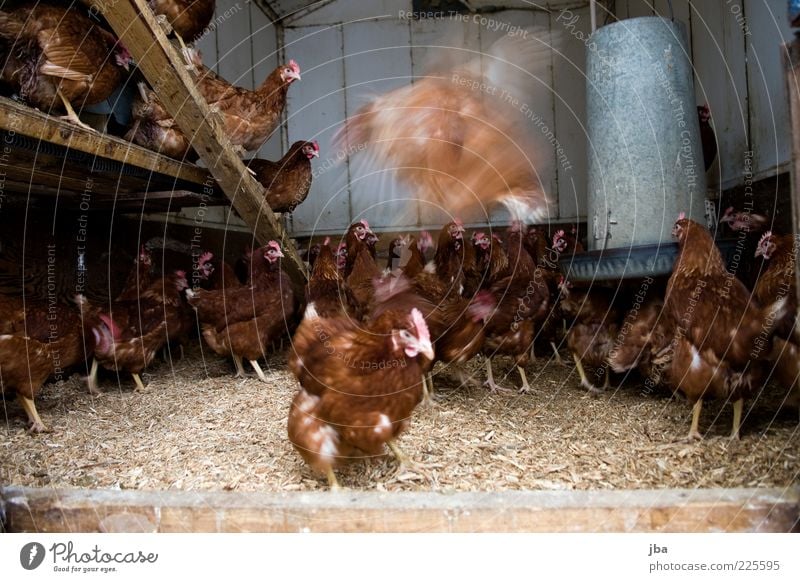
column 736, row 47
column 350, row 49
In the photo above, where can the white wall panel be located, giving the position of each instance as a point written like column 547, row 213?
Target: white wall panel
column 315, row 110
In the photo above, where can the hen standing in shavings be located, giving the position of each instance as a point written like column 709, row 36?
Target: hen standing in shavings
column 708, row 139
column 286, row 182
column 780, row 253
column 58, row 59
column 490, row 258
column 41, row 340
column 722, row 336
column 242, row 322
column 327, row 289
column 134, row 330
column 522, row 301
column 355, row 237
column 360, row 281
column 453, row 136
column 456, row 324
column 455, row 260
column 358, row 385
column 25, row 364
column 139, row 278
column 593, row 322
column 643, row 342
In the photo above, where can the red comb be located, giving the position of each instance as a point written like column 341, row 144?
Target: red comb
column 205, row 257
column 419, row 323
column 764, row 237
column 112, row 327
column 293, row 65
column 681, row 216
column 327, row 241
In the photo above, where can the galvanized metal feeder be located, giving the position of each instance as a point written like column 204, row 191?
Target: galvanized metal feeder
column 644, row 149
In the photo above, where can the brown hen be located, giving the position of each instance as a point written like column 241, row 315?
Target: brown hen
column 286, row 182
column 359, row 386
column 58, row 58
column 722, row 336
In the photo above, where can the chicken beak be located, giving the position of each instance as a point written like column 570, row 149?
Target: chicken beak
column 426, row 349
column 292, row 75
column 315, row 153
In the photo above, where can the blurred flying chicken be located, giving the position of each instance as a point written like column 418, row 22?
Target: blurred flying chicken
column 459, row 136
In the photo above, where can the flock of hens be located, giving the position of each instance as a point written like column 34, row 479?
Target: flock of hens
column 365, row 339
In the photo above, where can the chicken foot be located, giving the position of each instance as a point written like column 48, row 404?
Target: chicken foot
column 559, row 360
column 489, row 383
column 333, row 483
column 91, row 379
column 694, row 433
column 584, row 380
column 71, row 116
column 139, row 385
column 239, row 367
column 30, row 409
column 525, row 388
column 405, row 461
column 259, row 371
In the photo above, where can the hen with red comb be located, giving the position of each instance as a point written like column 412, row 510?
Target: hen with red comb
column 286, row 182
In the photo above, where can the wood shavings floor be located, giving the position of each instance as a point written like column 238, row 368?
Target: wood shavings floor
column 198, row 428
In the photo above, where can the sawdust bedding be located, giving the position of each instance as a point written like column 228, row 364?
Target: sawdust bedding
column 199, row 428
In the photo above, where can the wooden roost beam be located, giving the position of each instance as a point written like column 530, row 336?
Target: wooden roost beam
column 165, row 70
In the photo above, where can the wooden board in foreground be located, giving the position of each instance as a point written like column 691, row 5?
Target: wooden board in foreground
column 669, row 510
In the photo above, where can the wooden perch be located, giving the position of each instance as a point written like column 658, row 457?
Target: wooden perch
column 666, row 510
column 166, row 71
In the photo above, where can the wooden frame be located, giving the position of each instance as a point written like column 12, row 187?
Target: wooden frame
column 791, row 56
column 135, row 24
column 669, row 510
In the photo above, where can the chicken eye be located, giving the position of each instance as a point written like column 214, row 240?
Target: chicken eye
column 406, row 335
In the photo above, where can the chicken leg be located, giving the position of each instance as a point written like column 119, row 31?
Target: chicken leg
column 525, row 388
column 91, row 379
column 737, row 418
column 694, row 434
column 493, row 388
column 584, row 380
column 426, row 395
column 259, row 371
column 30, row 409
column 139, row 385
column 559, row 361
column 239, row 367
column 332, row 481
column 71, row 116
